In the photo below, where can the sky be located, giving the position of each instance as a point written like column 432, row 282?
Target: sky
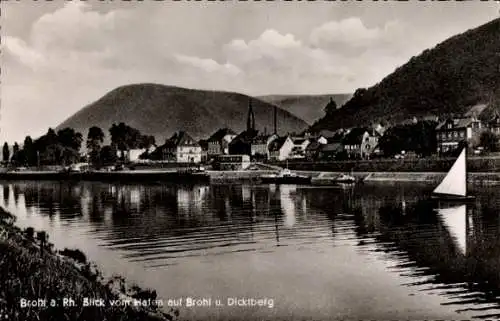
column 59, row 56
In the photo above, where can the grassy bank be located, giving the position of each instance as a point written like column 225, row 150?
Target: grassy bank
column 35, row 281
column 484, row 164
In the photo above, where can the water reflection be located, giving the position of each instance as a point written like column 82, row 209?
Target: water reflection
column 452, row 251
column 439, row 242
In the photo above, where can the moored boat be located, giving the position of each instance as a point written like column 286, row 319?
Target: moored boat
column 286, row 177
column 332, row 179
column 453, row 187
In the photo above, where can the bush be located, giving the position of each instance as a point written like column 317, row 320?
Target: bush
column 30, row 233
column 76, row 255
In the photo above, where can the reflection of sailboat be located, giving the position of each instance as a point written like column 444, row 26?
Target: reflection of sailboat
column 455, row 220
column 454, row 185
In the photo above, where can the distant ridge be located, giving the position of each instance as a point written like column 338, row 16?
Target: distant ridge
column 161, row 110
column 457, row 74
column 306, row 107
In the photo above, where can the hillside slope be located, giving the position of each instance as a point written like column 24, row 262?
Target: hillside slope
column 459, row 72
column 161, row 110
column 306, row 107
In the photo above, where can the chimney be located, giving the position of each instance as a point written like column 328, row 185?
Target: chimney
column 275, row 120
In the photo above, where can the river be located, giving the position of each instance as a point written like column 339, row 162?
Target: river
column 299, row 252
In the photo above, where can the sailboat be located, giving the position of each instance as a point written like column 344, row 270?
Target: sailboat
column 454, row 186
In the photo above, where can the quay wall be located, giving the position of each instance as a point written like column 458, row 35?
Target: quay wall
column 474, row 164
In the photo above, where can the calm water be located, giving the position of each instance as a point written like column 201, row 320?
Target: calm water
column 318, row 253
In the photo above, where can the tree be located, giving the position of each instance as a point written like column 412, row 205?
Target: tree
column 331, row 107
column 489, row 141
column 68, row 145
column 6, row 152
column 30, row 151
column 124, row 138
column 146, row 141
column 95, row 138
column 107, row 155
column 15, row 154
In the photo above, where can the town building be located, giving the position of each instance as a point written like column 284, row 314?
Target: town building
column 455, row 132
column 361, row 143
column 299, row 147
column 242, row 143
column 369, row 144
column 330, row 151
column 218, row 143
column 260, row 146
column 281, row 148
column 181, row 148
column 352, row 142
column 494, row 124
column 231, row 162
column 312, row 150
column 204, row 150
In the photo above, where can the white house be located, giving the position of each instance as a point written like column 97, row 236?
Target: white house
column 322, row 140
column 281, row 148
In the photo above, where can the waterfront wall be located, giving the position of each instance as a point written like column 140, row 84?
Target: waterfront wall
column 477, row 164
column 135, row 176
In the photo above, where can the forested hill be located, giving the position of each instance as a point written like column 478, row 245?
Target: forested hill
column 462, row 71
column 161, row 110
column 307, row 107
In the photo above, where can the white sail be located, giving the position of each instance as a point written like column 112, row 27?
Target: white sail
column 455, row 221
column 455, row 182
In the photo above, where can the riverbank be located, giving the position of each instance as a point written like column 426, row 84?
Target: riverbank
column 37, row 283
column 124, row 175
column 243, row 176
column 429, row 177
column 476, row 164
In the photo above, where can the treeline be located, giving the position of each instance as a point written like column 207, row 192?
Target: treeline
column 63, row 147
column 418, row 137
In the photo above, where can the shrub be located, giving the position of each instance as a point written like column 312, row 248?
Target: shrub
column 76, row 255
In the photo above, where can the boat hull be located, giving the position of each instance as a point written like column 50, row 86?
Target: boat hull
column 453, row 198
column 326, row 182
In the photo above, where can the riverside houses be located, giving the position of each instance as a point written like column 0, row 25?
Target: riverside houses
column 361, row 143
column 218, row 143
column 299, row 147
column 280, row 148
column 181, row 148
column 494, row 124
column 352, row 142
column 260, row 146
column 453, row 131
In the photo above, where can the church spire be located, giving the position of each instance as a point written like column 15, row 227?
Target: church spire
column 251, row 117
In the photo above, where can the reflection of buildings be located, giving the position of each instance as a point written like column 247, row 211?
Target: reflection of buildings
column 288, row 204
column 190, row 200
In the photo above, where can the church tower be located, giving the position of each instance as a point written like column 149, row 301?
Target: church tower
column 251, row 117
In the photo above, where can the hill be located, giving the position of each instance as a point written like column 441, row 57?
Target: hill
column 162, row 110
column 458, row 73
column 306, row 107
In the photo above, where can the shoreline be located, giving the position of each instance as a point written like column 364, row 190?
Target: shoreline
column 243, row 176
column 41, row 283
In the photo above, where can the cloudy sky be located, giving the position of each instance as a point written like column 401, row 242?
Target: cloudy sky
column 59, row 56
